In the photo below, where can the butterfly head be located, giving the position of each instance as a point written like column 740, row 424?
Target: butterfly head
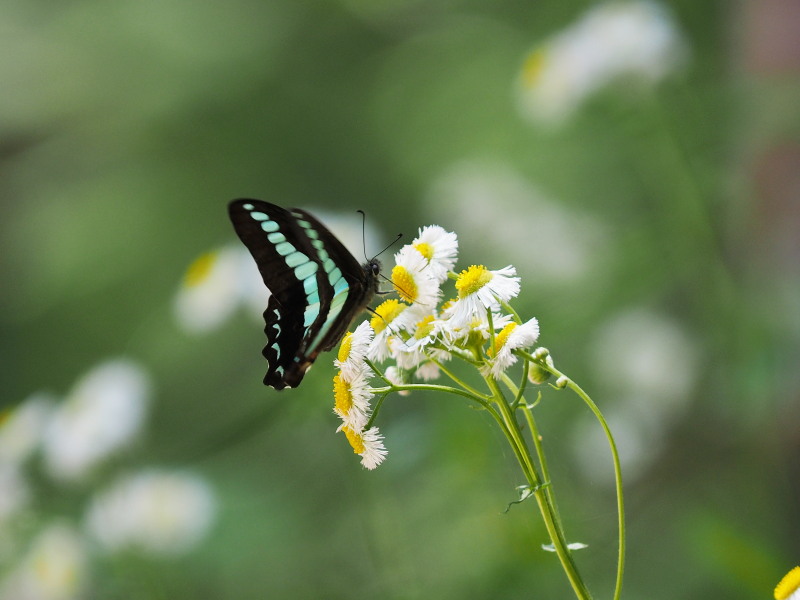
column 372, row 271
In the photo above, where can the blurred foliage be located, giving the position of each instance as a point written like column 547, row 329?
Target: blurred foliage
column 125, row 127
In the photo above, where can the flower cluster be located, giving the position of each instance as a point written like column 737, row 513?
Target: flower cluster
column 50, row 445
column 418, row 332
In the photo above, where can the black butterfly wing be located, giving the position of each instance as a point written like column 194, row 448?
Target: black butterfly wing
column 315, row 283
column 289, row 266
column 348, row 302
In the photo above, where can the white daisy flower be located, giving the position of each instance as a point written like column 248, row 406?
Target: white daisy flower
column 368, row 445
column 788, row 587
column 414, row 280
column 214, row 286
column 153, row 511
column 478, row 326
column 440, row 249
column 54, row 568
column 22, row 428
column 415, row 353
column 351, row 399
column 392, row 318
column 103, row 413
column 480, row 289
column 353, row 350
column 511, row 337
column 612, row 40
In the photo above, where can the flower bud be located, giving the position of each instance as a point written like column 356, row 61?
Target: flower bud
column 562, row 382
column 537, row 374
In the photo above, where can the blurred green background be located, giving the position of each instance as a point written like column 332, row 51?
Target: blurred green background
column 657, row 230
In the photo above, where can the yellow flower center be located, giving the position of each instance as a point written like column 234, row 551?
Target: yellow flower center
column 199, row 270
column 424, row 327
column 355, row 439
column 471, row 280
column 386, row 313
column 345, row 347
column 404, row 284
column 501, row 338
column 342, row 396
column 788, row 585
column 532, row 67
column 425, row 249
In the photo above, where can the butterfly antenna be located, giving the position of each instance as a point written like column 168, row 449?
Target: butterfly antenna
column 363, row 232
column 393, row 242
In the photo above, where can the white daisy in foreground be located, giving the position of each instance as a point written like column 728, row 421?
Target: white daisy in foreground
column 154, row 511
column 480, row 289
column 391, row 318
column 351, row 399
column 54, row 568
column 368, row 445
column 22, row 427
column 103, row 413
column 353, row 350
column 789, row 587
column 612, row 40
column 413, row 278
column 440, row 249
column 478, row 328
column 511, row 337
column 214, row 285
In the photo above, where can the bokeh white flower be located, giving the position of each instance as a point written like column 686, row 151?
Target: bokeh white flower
column 102, row 414
column 215, row 285
column 54, row 567
column 569, row 247
column 649, row 364
column 22, row 427
column 154, row 511
column 637, row 39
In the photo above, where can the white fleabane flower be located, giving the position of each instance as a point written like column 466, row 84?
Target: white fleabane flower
column 21, row 429
column 153, row 511
column 479, row 325
column 368, row 445
column 788, row 587
column 612, row 40
column 103, row 413
column 511, row 337
column 440, row 249
column 351, row 398
column 392, row 317
column 414, row 280
column 480, row 289
column 214, row 286
column 353, row 350
column 54, row 568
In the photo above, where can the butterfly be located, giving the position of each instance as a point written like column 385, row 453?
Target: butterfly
column 316, row 286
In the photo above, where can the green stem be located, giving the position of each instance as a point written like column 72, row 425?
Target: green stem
column 537, row 444
column 541, row 492
column 614, row 455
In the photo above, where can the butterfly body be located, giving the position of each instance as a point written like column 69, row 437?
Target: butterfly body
column 316, row 286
